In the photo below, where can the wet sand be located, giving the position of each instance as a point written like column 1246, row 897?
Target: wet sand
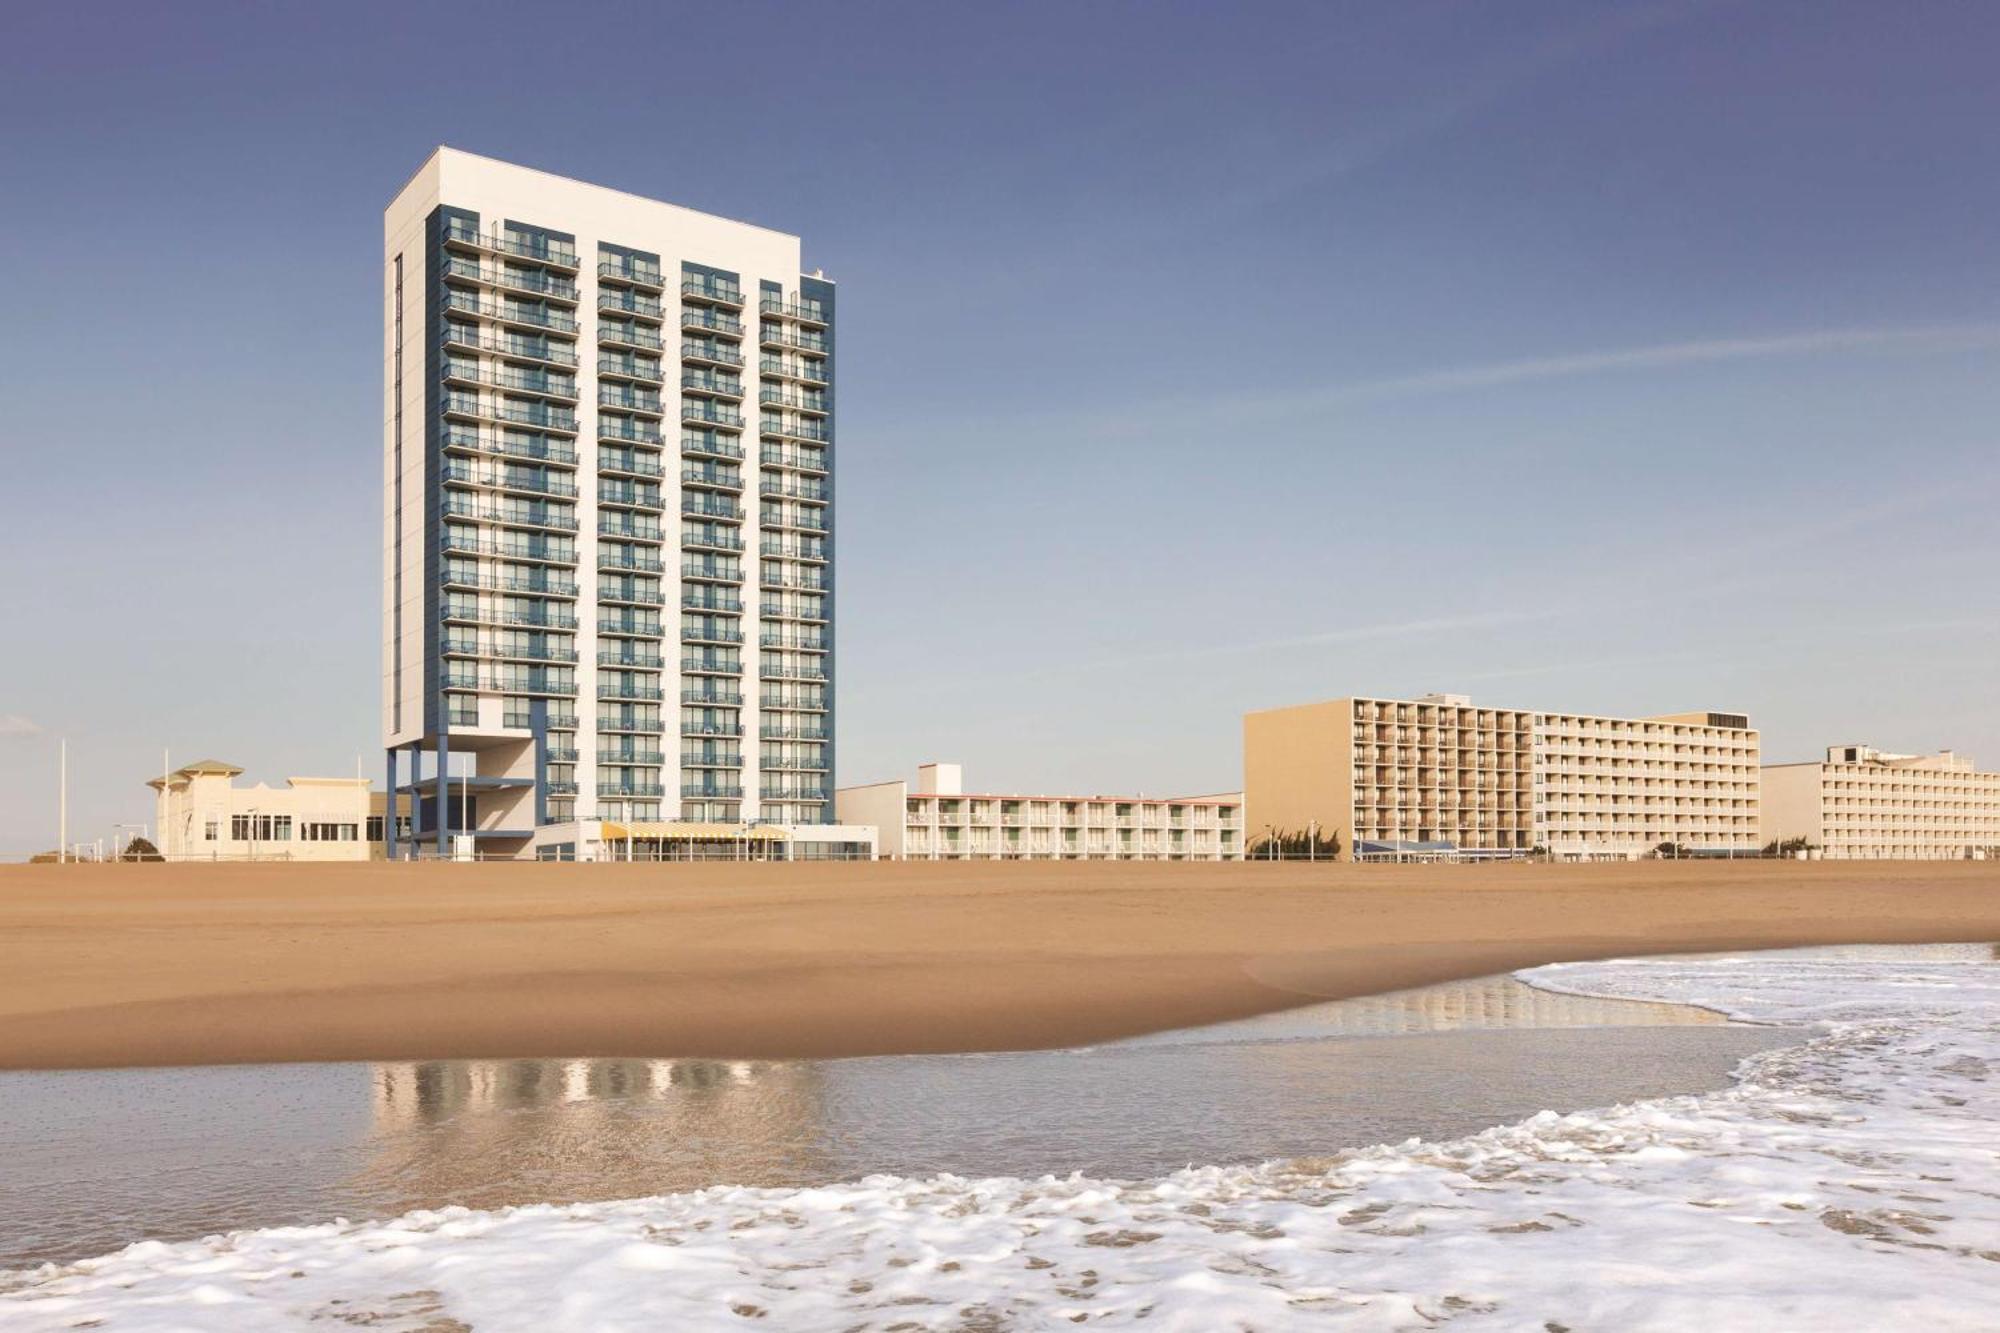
column 195, row 964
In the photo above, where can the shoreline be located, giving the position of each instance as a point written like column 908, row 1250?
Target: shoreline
column 1837, row 1180
column 123, row 966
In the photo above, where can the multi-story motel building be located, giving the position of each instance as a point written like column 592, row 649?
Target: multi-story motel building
column 940, row 821
column 1437, row 777
column 608, row 452
column 1860, row 803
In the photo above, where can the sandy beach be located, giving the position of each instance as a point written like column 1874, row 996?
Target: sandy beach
column 197, row 964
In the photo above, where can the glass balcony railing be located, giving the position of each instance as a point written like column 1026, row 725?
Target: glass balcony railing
column 695, row 601
column 708, row 506
column 718, row 321
column 705, row 289
column 704, row 759
column 623, row 460
column 647, row 789
column 641, row 725
column 704, row 443
column 803, row 549
column 800, row 460
column 712, row 414
column 644, row 275
column 524, row 247
column 643, row 564
column 713, row 698
column 810, row 491
column 798, row 402
column 631, row 368
column 721, row 354
column 632, row 303
column 625, row 428
column 628, row 335
column 710, row 634
column 527, row 349
column 809, row 311
column 609, row 689
column 558, row 321
column 711, row 791
column 721, row 479
column 711, row 541
column 817, row 432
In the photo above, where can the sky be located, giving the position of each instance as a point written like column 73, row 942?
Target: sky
column 1195, row 359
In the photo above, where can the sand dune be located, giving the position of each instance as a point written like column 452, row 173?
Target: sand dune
column 196, row 964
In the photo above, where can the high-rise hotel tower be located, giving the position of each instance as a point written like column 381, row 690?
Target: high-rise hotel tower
column 608, row 534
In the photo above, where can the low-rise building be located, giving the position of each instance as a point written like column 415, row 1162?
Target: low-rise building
column 1438, row 777
column 1860, row 803
column 940, row 821
column 201, row 815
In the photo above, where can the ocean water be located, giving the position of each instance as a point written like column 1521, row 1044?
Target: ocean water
column 1851, row 1180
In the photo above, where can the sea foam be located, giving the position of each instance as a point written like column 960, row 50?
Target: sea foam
column 1850, row 1182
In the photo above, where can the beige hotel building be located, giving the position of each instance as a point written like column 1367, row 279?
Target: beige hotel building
column 940, row 821
column 1860, row 803
column 1440, row 777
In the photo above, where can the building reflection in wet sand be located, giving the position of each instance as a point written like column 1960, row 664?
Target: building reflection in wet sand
column 488, row 1132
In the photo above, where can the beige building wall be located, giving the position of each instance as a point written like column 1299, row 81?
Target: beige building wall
column 1861, row 803
column 201, row 814
column 1392, row 771
column 1613, row 788
column 1393, row 775
column 1298, row 770
column 946, row 824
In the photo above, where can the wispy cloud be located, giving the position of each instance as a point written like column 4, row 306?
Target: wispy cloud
column 13, row 726
column 1399, row 629
column 1941, row 337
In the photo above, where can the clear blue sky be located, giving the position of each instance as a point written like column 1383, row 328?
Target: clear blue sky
column 1195, row 358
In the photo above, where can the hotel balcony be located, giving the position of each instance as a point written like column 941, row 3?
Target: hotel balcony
column 641, row 789
column 803, row 312
column 717, row 698
column 694, row 601
column 720, row 479
column 712, row 321
column 805, row 372
column 540, row 587
column 775, row 611
column 617, row 333
column 711, row 729
column 798, row 642
column 711, row 791
column 814, row 551
column 610, row 525
column 809, row 580
column 810, row 491
column 797, row 459
column 792, row 671
column 633, row 759
column 711, row 353
column 554, row 286
column 696, row 444
column 811, row 432
column 647, row 563
column 725, row 572
column 703, row 412
column 630, row 368
column 456, row 505
column 515, row 348
column 457, row 371
column 627, row 429
column 610, row 691
column 712, row 666
column 712, row 507
column 633, row 660
column 711, row 541
column 500, row 312
column 638, row 275
column 774, row 335
column 627, row 463
column 631, row 303
column 624, row 399
column 629, row 495
column 457, row 472
column 559, row 420
column 702, row 759
column 712, row 634
column 721, row 386
column 631, row 596
column 553, row 253
column 800, row 522
column 807, row 732
column 792, row 765
column 717, row 293
column 639, row 726
column 801, row 402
